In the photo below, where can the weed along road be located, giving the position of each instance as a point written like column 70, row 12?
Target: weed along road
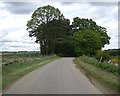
column 58, row 77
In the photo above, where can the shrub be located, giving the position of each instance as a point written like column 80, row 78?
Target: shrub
column 105, row 56
column 104, row 66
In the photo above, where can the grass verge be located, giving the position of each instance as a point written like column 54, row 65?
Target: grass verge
column 15, row 71
column 105, row 78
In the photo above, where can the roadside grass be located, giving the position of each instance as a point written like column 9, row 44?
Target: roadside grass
column 0, row 72
column 0, row 79
column 102, row 65
column 15, row 71
column 103, row 77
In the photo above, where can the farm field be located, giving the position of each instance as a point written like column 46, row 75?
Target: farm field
column 16, row 65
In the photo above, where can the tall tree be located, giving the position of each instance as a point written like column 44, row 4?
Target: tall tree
column 41, row 17
column 83, row 24
column 86, row 42
column 88, row 24
column 57, row 33
column 88, row 36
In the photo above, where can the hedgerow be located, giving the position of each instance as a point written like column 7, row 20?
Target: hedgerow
column 103, row 65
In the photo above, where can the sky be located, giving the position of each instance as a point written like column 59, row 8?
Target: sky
column 14, row 17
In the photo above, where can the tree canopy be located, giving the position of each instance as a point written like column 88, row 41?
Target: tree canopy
column 55, row 34
column 86, row 42
column 40, row 23
column 85, row 24
column 88, row 36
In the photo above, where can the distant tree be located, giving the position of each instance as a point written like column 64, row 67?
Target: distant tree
column 65, row 48
column 83, row 24
column 57, row 33
column 89, row 24
column 41, row 17
column 86, row 42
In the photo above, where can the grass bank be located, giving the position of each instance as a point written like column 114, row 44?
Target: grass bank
column 105, row 78
column 15, row 71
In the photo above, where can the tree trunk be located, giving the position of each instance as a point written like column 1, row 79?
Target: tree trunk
column 42, row 48
column 53, row 47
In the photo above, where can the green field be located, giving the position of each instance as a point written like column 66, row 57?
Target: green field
column 26, row 63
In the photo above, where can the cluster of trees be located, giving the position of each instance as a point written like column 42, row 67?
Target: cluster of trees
column 56, row 35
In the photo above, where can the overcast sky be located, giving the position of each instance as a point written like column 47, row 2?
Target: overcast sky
column 14, row 16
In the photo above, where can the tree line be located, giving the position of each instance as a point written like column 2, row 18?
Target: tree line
column 56, row 35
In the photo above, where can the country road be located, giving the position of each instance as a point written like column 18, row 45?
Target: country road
column 58, row 77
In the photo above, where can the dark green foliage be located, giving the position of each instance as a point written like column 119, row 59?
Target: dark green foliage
column 89, row 24
column 55, row 34
column 65, row 49
column 86, row 42
column 88, row 37
column 83, row 24
column 39, row 27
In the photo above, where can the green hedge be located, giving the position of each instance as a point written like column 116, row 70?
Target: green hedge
column 105, row 66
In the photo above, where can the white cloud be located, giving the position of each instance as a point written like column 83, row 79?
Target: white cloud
column 13, row 26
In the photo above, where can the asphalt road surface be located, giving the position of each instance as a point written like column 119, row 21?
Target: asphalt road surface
column 58, row 77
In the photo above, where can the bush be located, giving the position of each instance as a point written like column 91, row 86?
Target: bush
column 104, row 66
column 105, row 56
